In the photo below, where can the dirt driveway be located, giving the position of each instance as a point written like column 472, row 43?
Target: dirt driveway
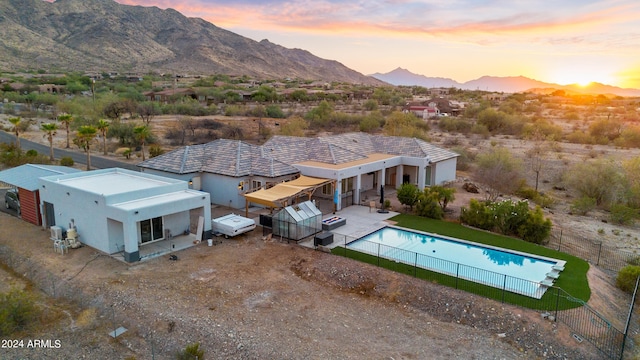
column 248, row 298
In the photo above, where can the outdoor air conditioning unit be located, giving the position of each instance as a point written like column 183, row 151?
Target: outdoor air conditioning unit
column 56, row 233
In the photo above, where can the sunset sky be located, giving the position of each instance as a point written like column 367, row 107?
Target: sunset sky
column 570, row 41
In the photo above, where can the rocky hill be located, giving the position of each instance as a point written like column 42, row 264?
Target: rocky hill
column 102, row 35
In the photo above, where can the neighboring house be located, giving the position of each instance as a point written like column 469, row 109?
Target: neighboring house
column 51, row 88
column 424, row 111
column 118, row 210
column 25, row 179
column 356, row 161
column 433, row 107
column 170, row 95
column 226, row 169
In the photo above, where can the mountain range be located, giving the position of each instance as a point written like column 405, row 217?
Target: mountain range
column 509, row 84
column 103, row 35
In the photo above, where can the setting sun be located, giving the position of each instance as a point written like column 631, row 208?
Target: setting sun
column 582, row 75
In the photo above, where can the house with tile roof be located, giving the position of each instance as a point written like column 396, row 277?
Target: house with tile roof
column 358, row 162
column 224, row 168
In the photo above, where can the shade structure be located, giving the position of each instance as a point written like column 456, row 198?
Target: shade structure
column 280, row 194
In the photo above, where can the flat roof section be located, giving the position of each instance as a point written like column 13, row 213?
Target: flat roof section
column 164, row 199
column 370, row 158
column 110, row 183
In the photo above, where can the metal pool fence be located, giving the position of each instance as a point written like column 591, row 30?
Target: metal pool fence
column 595, row 252
column 587, row 323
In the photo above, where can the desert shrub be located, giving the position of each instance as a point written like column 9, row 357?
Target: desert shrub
column 582, row 205
column 509, row 218
column 465, row 159
column 66, row 161
column 452, row 124
column 622, row 214
column 477, row 215
column 536, row 228
column 408, row 195
column 274, row 111
column 509, row 215
column 370, row 105
column 607, row 129
column 428, row 206
column 627, row 277
column 481, row 130
column 232, row 110
column 155, row 150
column 31, row 153
column 629, row 138
column 233, row 132
column 634, row 261
column 572, row 115
column 527, row 192
column 17, row 310
column 600, row 179
column 580, row 137
column 191, row 352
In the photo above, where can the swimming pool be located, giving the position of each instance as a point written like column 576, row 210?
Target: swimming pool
column 514, row 271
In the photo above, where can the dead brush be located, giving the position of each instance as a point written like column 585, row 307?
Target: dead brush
column 366, row 288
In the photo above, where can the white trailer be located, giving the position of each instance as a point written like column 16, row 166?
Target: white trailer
column 231, row 225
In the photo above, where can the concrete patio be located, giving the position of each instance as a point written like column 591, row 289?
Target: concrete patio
column 361, row 220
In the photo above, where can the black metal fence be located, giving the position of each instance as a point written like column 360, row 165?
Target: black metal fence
column 553, row 302
column 595, row 252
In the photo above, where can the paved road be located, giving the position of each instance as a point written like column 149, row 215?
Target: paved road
column 97, row 162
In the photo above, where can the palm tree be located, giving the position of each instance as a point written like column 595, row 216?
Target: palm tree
column 85, row 135
column 50, row 130
column 66, row 119
column 16, row 129
column 103, row 126
column 142, row 133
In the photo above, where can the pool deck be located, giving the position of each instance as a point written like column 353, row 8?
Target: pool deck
column 361, row 220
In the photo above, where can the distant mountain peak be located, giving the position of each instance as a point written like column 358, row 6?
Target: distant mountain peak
column 507, row 84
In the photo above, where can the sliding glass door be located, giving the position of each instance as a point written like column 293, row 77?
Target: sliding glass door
column 151, row 230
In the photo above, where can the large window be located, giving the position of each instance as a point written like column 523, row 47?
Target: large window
column 151, row 230
column 347, row 185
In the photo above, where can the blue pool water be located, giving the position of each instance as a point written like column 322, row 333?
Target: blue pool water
column 514, row 271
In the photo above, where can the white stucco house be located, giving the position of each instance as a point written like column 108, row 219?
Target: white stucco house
column 118, row 210
column 359, row 162
column 356, row 161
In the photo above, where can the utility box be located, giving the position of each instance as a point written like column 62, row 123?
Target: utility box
column 323, row 239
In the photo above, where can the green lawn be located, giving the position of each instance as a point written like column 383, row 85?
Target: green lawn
column 573, row 280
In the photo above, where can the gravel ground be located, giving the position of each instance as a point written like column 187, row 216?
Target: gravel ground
column 251, row 299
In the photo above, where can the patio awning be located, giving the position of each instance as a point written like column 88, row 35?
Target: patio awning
column 280, row 194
